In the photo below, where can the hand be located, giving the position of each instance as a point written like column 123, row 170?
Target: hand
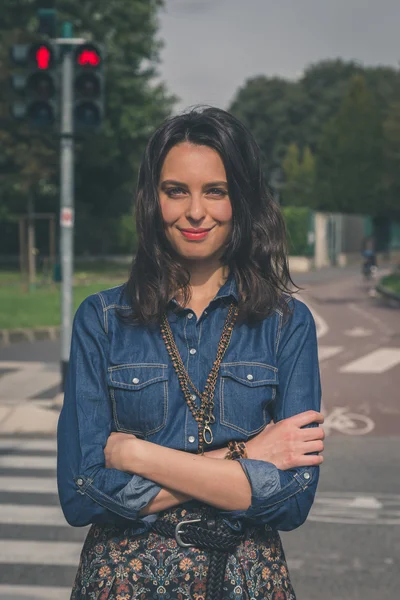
column 287, row 445
column 119, row 451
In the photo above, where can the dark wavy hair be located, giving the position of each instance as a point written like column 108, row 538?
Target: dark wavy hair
column 256, row 253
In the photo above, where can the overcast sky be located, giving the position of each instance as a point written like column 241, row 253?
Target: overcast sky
column 213, row 46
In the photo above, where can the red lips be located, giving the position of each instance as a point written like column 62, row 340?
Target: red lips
column 200, row 230
column 195, row 234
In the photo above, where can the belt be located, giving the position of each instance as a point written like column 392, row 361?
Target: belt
column 206, row 533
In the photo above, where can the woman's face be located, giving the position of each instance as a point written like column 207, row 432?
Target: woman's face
column 195, row 204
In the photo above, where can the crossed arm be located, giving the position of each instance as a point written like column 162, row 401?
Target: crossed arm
column 220, row 483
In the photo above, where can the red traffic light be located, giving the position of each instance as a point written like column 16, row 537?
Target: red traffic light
column 88, row 56
column 43, row 57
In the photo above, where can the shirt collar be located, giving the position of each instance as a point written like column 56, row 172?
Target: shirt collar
column 228, row 289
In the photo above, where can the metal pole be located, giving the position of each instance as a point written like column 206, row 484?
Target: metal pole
column 52, row 249
column 66, row 208
column 31, row 245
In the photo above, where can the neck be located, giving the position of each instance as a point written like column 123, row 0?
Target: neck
column 206, row 279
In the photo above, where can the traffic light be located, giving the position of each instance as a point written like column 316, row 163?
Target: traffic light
column 88, row 87
column 37, row 84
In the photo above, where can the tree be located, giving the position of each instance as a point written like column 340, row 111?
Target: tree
column 107, row 162
column 391, row 128
column 349, row 156
column 299, row 172
column 273, row 109
column 280, row 113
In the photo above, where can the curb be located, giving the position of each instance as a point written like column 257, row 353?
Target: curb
column 13, row 336
column 388, row 294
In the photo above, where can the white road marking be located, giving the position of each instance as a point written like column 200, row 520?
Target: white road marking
column 37, row 485
column 30, row 381
column 28, row 462
column 40, row 553
column 325, row 352
column 33, row 592
column 358, row 332
column 379, row 361
column 356, row 508
column 29, row 514
column 385, row 329
column 28, row 444
column 22, row 365
column 340, row 419
column 320, row 323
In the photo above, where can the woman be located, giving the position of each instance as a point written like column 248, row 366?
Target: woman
column 189, row 432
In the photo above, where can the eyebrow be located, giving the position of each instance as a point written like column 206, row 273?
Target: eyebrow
column 179, row 183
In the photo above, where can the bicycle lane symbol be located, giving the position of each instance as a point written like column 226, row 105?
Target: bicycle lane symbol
column 348, row 423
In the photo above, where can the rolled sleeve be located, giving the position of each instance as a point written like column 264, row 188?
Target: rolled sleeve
column 282, row 499
column 90, row 493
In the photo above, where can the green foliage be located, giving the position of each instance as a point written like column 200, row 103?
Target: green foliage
column 41, row 307
column 349, row 156
column 297, row 220
column 340, row 122
column 391, row 132
column 127, row 234
column 273, row 110
column 106, row 163
column 392, row 283
column 299, row 174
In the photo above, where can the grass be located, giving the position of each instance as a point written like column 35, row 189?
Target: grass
column 41, row 307
column 392, row 282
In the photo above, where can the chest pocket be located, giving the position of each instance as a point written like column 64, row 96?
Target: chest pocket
column 246, row 390
column 139, row 395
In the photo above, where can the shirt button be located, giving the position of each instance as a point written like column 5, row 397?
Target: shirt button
column 79, row 481
column 192, row 350
column 307, row 475
column 193, row 396
column 250, row 377
column 135, row 380
column 191, row 439
column 190, row 316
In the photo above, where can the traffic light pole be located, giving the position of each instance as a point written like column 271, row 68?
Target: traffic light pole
column 81, row 76
column 66, row 206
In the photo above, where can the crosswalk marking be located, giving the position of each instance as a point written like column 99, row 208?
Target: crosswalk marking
column 28, row 462
column 41, row 553
column 33, row 592
column 28, row 514
column 34, row 538
column 28, row 382
column 379, row 361
column 37, row 485
column 325, row 352
column 47, row 445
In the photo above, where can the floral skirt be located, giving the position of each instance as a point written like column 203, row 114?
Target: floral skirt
column 119, row 565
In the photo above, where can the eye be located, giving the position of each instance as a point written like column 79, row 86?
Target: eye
column 217, row 192
column 175, row 191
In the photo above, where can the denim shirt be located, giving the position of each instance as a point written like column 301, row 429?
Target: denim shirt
column 120, row 378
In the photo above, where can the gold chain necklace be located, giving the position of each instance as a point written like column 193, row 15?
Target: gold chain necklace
column 204, row 415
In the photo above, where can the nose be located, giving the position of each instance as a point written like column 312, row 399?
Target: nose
column 195, row 210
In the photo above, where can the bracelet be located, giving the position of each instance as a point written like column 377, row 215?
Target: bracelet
column 236, row 450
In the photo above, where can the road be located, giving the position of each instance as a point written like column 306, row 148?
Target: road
column 349, row 548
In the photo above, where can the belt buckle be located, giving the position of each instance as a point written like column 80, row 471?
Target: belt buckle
column 179, row 532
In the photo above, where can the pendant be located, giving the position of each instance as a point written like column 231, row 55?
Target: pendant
column 207, row 435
